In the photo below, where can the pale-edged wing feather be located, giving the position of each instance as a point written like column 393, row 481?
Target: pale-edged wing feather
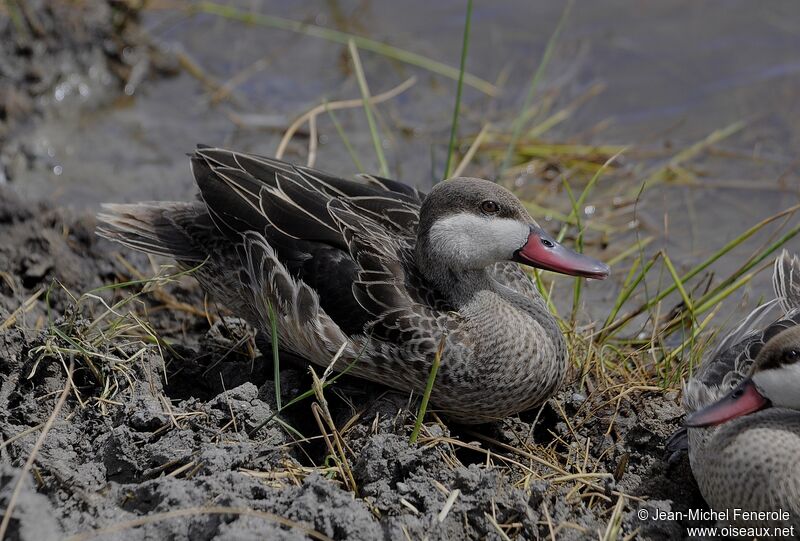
column 730, row 361
column 334, row 257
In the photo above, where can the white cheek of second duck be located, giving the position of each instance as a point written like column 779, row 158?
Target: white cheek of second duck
column 471, row 241
column 780, row 385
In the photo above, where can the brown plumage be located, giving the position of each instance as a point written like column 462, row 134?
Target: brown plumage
column 377, row 268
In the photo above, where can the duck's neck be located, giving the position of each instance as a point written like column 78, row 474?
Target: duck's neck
column 461, row 287
column 466, row 290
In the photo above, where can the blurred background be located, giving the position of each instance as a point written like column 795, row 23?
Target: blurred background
column 692, row 105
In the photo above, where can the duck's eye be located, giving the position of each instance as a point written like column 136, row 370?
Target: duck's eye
column 490, row 207
column 792, row 355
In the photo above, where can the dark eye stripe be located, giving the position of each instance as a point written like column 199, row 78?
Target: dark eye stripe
column 780, row 358
column 781, row 346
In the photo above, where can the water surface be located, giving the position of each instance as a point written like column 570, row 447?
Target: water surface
column 673, row 72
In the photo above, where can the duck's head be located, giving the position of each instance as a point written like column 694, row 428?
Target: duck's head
column 774, row 381
column 469, row 223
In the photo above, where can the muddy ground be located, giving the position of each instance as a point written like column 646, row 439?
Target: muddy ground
column 166, row 442
column 181, row 435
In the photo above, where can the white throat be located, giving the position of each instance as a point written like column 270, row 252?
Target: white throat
column 780, row 385
column 470, row 241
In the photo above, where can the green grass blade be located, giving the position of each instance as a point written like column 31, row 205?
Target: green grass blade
column 337, row 36
column 726, row 286
column 373, row 128
column 574, row 216
column 423, row 407
column 548, row 51
column 717, row 296
column 146, row 281
column 546, row 295
column 626, row 292
column 345, row 140
column 454, row 126
column 276, row 360
column 577, row 288
column 708, row 262
column 724, row 250
column 678, row 283
column 573, row 213
column 690, row 340
column 290, row 428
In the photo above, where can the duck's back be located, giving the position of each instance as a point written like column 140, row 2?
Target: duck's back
column 288, row 205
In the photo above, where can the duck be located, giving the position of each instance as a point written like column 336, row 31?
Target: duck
column 373, row 276
column 743, row 406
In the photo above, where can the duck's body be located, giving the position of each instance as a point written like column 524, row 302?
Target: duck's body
column 744, row 406
column 375, row 268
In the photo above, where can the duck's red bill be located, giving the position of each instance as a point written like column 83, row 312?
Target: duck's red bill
column 543, row 252
column 744, row 399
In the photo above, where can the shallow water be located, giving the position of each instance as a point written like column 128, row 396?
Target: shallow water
column 674, row 72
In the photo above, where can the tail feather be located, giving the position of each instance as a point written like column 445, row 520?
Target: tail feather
column 170, row 229
column 786, row 280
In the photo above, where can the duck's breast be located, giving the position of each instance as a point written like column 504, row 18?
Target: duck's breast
column 751, row 463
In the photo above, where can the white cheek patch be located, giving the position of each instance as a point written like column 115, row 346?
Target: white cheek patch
column 470, row 237
column 780, row 385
